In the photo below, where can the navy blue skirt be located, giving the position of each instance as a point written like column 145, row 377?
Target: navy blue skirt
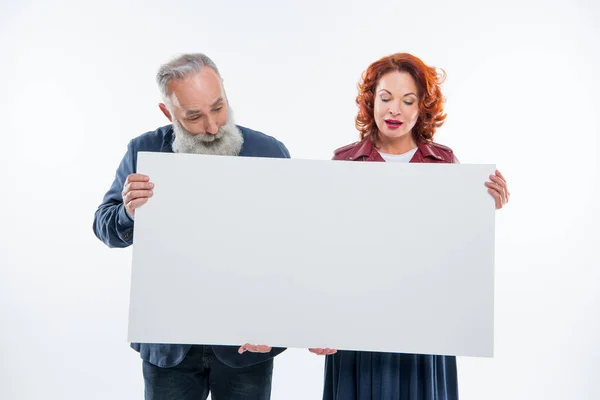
column 353, row 375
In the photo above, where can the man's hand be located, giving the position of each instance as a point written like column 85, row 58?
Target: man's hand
column 136, row 192
column 323, row 352
column 498, row 188
column 254, row 348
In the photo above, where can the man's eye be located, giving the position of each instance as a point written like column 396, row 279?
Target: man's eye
column 218, row 109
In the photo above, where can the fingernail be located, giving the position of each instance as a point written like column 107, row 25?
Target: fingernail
column 151, row 185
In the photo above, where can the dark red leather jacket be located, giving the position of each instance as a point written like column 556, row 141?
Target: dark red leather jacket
column 428, row 152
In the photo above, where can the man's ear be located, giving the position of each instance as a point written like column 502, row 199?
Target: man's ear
column 165, row 111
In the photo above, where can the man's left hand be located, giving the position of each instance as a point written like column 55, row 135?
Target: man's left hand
column 254, row 348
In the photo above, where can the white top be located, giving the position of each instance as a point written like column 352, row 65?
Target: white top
column 403, row 158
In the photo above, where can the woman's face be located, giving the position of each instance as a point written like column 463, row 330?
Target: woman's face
column 396, row 106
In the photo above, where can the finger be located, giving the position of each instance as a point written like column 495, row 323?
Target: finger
column 242, row 349
column 503, row 191
column 498, row 180
column 504, row 196
column 137, row 194
column 256, row 348
column 500, row 175
column 261, row 349
column 500, row 189
column 252, row 348
column 494, row 186
column 497, row 198
column 137, row 178
column 323, row 352
column 137, row 186
column 507, row 192
column 247, row 347
column 496, row 177
column 137, row 203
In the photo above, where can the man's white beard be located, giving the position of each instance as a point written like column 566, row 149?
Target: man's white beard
column 227, row 142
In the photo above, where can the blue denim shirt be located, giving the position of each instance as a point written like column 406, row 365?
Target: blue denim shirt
column 114, row 227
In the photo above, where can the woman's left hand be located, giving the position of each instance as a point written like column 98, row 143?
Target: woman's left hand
column 498, row 189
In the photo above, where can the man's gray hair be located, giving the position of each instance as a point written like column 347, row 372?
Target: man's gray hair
column 180, row 67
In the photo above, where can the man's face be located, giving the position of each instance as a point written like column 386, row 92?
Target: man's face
column 201, row 117
column 198, row 103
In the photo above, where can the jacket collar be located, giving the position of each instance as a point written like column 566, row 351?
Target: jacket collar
column 364, row 149
column 427, row 150
column 168, row 137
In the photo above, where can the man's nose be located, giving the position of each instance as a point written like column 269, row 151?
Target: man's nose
column 211, row 126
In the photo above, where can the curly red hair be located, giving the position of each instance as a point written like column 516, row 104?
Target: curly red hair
column 428, row 81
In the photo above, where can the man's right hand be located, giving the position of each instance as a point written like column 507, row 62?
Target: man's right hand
column 136, row 192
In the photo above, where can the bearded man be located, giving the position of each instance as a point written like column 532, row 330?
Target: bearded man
column 195, row 102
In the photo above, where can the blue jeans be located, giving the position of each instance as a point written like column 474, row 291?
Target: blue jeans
column 201, row 372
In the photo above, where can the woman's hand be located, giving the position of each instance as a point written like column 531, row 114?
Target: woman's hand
column 323, row 352
column 498, row 189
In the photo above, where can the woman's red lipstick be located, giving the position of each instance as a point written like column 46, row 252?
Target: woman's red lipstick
column 393, row 123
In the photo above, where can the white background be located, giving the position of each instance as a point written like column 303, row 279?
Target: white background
column 78, row 84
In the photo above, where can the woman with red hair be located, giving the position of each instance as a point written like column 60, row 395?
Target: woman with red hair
column 400, row 107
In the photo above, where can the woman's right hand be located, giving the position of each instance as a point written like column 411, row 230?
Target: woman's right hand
column 323, row 352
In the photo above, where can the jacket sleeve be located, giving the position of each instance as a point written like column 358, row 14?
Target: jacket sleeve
column 284, row 150
column 112, row 224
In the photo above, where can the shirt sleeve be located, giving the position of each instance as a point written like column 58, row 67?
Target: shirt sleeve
column 112, row 223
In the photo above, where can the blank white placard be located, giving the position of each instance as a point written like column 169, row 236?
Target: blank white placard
column 308, row 253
